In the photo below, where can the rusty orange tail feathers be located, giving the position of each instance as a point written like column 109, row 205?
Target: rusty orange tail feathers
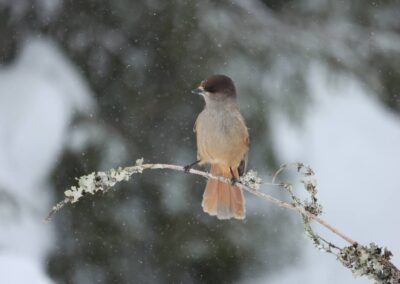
column 222, row 199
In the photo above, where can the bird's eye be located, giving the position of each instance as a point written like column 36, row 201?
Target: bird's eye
column 210, row 89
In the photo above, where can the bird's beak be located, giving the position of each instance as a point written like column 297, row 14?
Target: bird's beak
column 199, row 91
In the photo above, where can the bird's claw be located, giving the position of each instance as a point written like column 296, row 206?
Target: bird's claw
column 234, row 180
column 187, row 168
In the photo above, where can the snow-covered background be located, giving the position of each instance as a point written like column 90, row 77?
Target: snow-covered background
column 40, row 94
column 345, row 137
column 87, row 86
column 352, row 142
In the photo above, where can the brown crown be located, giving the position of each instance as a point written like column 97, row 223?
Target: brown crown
column 219, row 84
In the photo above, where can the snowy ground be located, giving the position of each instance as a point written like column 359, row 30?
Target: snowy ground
column 352, row 143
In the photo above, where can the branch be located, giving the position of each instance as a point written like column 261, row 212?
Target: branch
column 370, row 260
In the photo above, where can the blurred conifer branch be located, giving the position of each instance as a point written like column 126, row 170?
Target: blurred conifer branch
column 369, row 260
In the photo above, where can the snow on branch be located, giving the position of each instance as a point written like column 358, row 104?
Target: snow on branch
column 363, row 260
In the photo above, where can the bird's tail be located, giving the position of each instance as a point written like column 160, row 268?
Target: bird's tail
column 222, row 199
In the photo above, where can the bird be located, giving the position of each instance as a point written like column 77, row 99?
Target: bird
column 222, row 142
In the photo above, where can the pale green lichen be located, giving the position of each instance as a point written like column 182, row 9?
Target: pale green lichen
column 117, row 175
column 310, row 204
column 73, row 194
column 371, row 261
column 139, row 162
column 310, row 185
column 251, row 180
column 101, row 181
column 86, row 183
column 313, row 207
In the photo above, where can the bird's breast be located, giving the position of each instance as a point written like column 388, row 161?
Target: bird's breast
column 221, row 136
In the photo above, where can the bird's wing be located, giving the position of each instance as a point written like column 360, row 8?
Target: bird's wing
column 243, row 166
column 195, row 124
column 243, row 163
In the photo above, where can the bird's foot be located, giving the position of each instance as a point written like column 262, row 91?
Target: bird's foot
column 234, row 180
column 187, row 168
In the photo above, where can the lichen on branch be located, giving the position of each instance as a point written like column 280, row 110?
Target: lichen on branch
column 101, row 181
column 371, row 261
